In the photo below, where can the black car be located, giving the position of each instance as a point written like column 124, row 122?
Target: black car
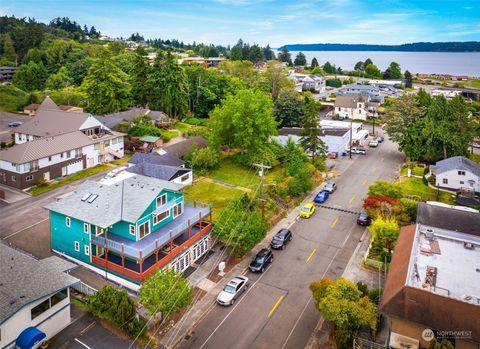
column 261, row 260
column 281, row 239
column 363, row 219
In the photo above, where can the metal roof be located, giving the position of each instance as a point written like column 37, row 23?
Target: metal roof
column 457, row 163
column 23, row 279
column 164, row 172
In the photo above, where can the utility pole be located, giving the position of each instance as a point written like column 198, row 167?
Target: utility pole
column 374, row 122
column 261, row 173
column 351, row 127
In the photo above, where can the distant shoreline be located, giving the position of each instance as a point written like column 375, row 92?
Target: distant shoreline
column 461, row 47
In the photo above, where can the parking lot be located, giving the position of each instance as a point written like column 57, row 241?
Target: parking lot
column 5, row 119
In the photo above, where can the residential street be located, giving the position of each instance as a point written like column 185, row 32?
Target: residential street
column 277, row 310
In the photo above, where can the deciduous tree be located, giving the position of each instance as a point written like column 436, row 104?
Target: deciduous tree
column 285, row 56
column 289, row 109
column 372, row 71
column 8, row 49
column 58, row 80
column 385, row 188
column 30, row 77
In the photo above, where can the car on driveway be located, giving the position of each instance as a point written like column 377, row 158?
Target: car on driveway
column 321, row 197
column 332, row 155
column 307, row 210
column 330, row 187
column 281, row 239
column 363, row 219
column 373, row 144
column 361, row 151
column 261, row 260
column 380, row 139
column 232, row 290
column 15, row 124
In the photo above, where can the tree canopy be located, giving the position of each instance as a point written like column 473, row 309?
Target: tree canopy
column 300, row 59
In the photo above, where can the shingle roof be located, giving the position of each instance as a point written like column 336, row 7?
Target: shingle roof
column 448, row 219
column 348, row 101
column 164, row 172
column 110, row 120
column 154, row 158
column 182, row 148
column 24, row 279
column 122, row 201
column 47, row 104
column 362, row 87
column 457, row 163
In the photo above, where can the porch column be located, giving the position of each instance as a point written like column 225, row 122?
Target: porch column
column 156, row 251
column 171, row 243
column 123, row 258
column 210, row 216
column 189, row 228
column 141, row 263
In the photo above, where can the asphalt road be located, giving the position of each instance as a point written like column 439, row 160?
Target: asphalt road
column 5, row 119
column 277, row 310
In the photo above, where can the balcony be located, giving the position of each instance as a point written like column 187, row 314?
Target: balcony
column 190, row 221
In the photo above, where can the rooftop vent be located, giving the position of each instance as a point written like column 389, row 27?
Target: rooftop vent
column 92, row 198
column 85, row 197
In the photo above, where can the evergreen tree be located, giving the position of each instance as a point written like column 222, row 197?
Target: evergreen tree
column 367, row 62
column 106, row 86
column 58, row 80
column 329, row 68
column 255, row 54
column 285, row 56
column 310, row 140
column 8, row 49
column 168, row 86
column 359, row 66
column 314, row 63
column 268, row 53
column 289, row 109
column 408, row 79
column 300, row 59
column 138, row 78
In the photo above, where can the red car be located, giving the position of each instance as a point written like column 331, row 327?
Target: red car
column 332, row 155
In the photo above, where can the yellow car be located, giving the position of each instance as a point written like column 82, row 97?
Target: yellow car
column 307, row 210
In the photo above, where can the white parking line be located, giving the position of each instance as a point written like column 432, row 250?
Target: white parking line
column 86, row 346
column 19, row 231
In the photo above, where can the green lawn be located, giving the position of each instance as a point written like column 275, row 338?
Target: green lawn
column 216, row 195
column 415, row 187
column 474, row 83
column 167, row 135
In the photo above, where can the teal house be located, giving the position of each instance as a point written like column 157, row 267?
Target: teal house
column 129, row 228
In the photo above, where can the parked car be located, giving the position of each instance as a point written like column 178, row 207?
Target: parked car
column 307, row 210
column 330, row 187
column 232, row 290
column 262, row 259
column 356, row 150
column 363, row 219
column 15, row 124
column 281, row 239
column 321, row 197
column 373, row 144
column 475, row 145
column 332, row 155
column 380, row 139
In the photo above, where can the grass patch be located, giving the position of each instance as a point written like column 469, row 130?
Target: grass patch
column 195, row 121
column 474, row 83
column 77, row 302
column 415, row 187
column 12, row 99
column 167, row 135
column 74, row 177
column 216, row 195
column 418, row 171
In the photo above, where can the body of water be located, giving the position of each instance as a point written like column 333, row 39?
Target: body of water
column 453, row 63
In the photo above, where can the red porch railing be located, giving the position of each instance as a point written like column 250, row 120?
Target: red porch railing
column 205, row 228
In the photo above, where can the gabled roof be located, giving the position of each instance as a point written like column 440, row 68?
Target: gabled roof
column 164, row 172
column 154, row 158
column 182, row 148
column 23, row 279
column 122, row 201
column 349, row 101
column 457, row 163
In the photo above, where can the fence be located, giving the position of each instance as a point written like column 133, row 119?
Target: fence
column 84, row 289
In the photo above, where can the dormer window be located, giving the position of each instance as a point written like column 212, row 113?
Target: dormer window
column 161, row 200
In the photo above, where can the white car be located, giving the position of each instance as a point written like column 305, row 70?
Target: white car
column 361, row 151
column 232, row 290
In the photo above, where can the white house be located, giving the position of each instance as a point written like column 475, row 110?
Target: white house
column 446, row 93
column 34, row 298
column 351, row 107
column 56, row 143
column 457, row 173
column 306, row 82
column 336, row 139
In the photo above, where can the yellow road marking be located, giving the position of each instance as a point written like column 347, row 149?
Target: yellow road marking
column 275, row 306
column 334, row 223
column 365, row 181
column 311, row 255
column 351, row 199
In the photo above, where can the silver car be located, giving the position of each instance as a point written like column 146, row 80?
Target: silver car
column 232, row 290
column 330, row 187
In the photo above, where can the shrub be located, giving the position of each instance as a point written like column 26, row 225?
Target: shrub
column 204, row 159
column 374, row 295
column 123, row 126
column 334, row 83
column 362, row 287
column 42, row 183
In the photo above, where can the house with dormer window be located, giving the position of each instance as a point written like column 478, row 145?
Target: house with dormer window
column 130, row 227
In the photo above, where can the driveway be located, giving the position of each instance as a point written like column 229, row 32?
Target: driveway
column 277, row 311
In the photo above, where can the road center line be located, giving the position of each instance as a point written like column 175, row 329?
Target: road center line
column 86, row 346
column 19, row 231
column 351, row 199
column 276, row 305
column 334, row 223
column 311, row 255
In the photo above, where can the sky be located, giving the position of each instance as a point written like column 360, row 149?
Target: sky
column 267, row 21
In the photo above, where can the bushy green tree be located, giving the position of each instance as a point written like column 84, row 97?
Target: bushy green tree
column 297, row 167
column 408, row 79
column 56, row 54
column 33, row 55
column 30, row 77
column 329, row 68
column 310, row 135
column 289, row 109
column 78, row 69
column 285, row 56
column 8, row 48
column 367, row 62
column 314, row 62
column 300, row 59
column 359, row 66
column 204, row 159
column 385, row 188
column 106, row 86
column 393, row 71
column 342, row 303
column 166, row 291
column 384, row 234
column 372, row 71
column 58, row 80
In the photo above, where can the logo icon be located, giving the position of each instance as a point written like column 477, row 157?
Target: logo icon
column 427, row 335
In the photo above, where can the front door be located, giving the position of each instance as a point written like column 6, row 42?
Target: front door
column 46, row 176
column 64, row 171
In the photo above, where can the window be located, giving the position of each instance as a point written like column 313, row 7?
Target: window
column 77, row 246
column 69, row 154
column 49, row 158
column 461, row 173
column 107, row 143
column 14, row 178
column 96, row 146
column 119, row 139
column 78, row 152
column 41, row 308
column 29, row 178
column 87, row 250
column 161, row 200
column 160, row 217
column 61, row 155
column 98, row 231
column 462, row 182
column 114, row 141
column 144, row 229
column 58, row 297
column 132, row 230
column 185, row 177
column 445, row 181
column 177, row 210
column 34, row 165
column 67, row 221
column 86, row 228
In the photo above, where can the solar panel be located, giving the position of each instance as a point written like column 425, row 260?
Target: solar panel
column 92, row 198
column 86, row 196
